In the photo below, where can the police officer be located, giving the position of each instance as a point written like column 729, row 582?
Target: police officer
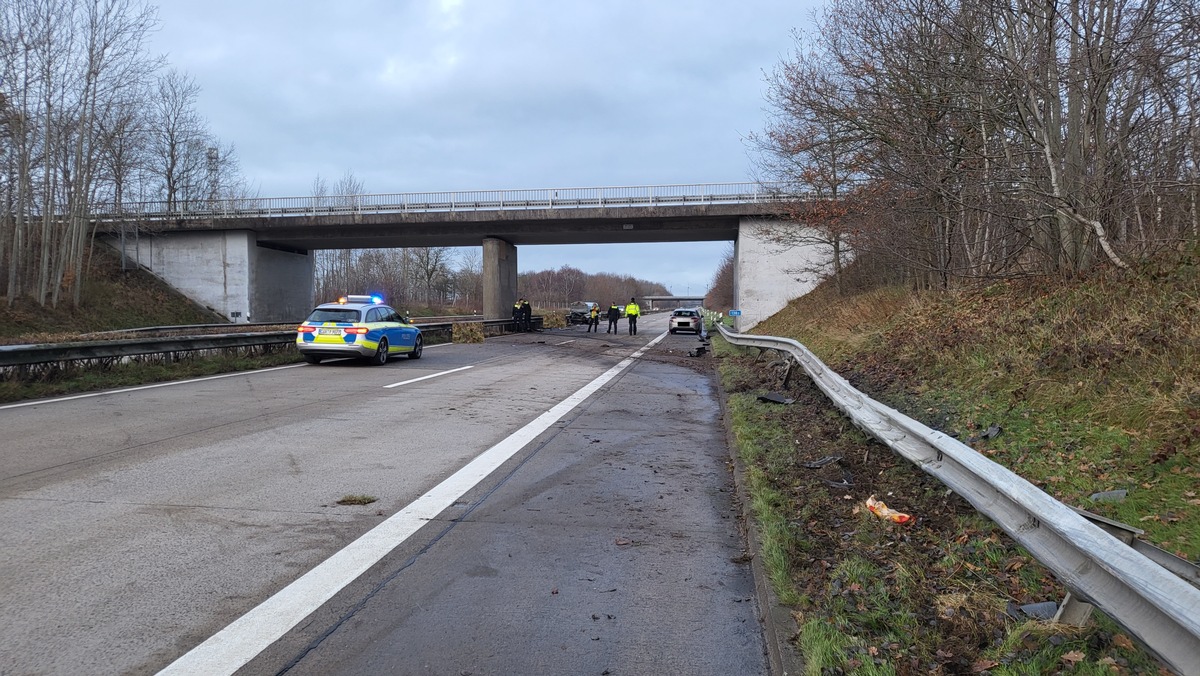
column 516, row 314
column 594, row 318
column 614, row 313
column 631, row 313
column 526, row 315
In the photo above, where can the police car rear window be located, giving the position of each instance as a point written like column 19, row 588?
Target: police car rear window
column 333, row 315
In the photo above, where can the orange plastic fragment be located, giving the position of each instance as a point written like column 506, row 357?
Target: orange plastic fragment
column 881, row 510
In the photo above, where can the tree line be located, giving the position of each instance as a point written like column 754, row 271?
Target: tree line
column 89, row 117
column 557, row 289
column 950, row 140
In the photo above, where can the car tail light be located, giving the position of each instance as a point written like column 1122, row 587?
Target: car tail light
column 306, row 329
column 360, row 330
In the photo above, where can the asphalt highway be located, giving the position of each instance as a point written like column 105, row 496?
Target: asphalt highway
column 546, row 503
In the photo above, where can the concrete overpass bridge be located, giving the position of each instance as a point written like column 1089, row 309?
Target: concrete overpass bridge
column 250, row 259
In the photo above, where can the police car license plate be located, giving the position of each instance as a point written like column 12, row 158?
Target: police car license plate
column 326, row 332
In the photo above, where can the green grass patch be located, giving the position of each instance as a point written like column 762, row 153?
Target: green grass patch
column 1092, row 386
column 357, row 499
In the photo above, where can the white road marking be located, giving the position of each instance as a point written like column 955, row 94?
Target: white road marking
column 564, row 342
column 432, row 375
column 144, row 387
column 173, row 382
column 234, row 646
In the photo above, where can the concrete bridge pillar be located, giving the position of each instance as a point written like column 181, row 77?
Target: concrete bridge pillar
column 229, row 273
column 499, row 278
column 767, row 275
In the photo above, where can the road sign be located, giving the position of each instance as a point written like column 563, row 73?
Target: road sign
column 735, row 313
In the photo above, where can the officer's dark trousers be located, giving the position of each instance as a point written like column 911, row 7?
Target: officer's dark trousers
column 612, row 326
column 633, row 325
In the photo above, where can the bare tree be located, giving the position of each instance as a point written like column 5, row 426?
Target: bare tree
column 468, row 278
column 720, row 294
column 433, row 271
column 178, row 139
column 990, row 139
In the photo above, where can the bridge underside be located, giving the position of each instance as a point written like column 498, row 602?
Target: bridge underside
column 627, row 225
column 256, row 262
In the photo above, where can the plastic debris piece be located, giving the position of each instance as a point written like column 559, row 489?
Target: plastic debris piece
column 821, row 462
column 991, row 432
column 1118, row 495
column 846, row 482
column 881, row 510
column 774, row 398
column 1045, row 610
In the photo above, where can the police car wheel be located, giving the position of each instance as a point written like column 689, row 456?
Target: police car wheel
column 416, row 351
column 312, row 359
column 381, row 353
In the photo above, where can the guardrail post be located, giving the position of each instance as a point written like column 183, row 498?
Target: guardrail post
column 1073, row 610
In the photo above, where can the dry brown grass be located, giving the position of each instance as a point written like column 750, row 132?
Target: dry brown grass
column 1094, row 380
column 468, row 332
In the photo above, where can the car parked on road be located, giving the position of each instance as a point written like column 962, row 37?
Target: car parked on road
column 686, row 319
column 580, row 311
column 361, row 327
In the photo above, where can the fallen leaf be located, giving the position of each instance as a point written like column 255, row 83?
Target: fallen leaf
column 1122, row 641
column 621, row 542
column 983, row 665
column 1074, row 657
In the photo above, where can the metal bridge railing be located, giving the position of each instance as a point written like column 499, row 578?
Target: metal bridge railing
column 470, row 200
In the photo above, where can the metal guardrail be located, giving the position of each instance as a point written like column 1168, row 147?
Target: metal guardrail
column 1159, row 608
column 471, row 200
column 29, row 355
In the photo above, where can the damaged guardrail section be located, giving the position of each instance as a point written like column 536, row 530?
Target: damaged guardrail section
column 1152, row 603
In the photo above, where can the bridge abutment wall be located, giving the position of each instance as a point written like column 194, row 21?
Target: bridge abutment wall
column 767, row 274
column 229, row 273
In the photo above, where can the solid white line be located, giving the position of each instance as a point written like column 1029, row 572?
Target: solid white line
column 564, row 342
column 145, row 387
column 234, row 646
column 168, row 384
column 433, row 375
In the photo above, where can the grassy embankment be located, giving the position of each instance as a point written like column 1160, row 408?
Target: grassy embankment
column 1094, row 385
column 113, row 300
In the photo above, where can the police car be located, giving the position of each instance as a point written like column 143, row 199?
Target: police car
column 360, row 327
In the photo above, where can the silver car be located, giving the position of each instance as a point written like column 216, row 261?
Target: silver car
column 686, row 319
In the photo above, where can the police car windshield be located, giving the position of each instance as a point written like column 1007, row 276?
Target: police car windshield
column 333, row 314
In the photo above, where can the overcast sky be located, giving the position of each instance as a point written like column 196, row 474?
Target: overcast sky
column 439, row 95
